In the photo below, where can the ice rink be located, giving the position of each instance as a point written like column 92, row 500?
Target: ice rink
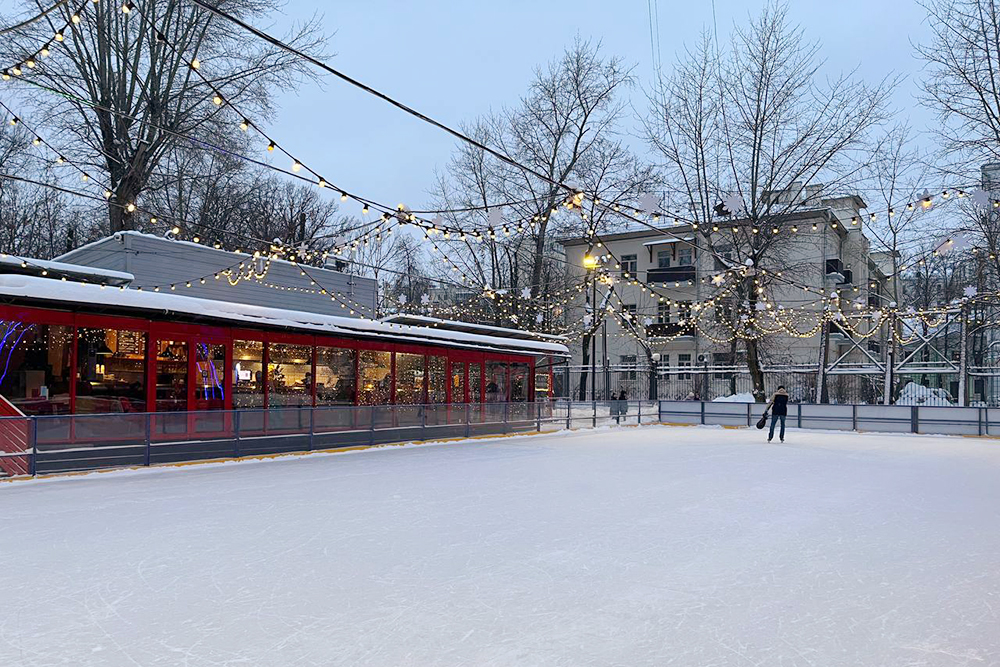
column 622, row 546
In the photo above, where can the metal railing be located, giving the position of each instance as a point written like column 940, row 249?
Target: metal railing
column 977, row 421
column 63, row 443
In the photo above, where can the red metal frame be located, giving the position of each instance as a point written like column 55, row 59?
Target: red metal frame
column 192, row 334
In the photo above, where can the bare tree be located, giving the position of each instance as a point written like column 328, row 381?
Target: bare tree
column 756, row 124
column 963, row 77
column 129, row 92
column 565, row 128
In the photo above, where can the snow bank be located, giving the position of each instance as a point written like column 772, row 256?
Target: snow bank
column 918, row 394
column 735, row 398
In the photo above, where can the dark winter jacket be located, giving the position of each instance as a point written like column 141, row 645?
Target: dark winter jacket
column 780, row 403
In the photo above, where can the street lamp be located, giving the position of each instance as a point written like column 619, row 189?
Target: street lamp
column 654, row 376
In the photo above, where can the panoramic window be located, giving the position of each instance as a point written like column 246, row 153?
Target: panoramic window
column 374, row 377
column 36, row 366
column 437, row 380
column 248, row 374
column 110, row 371
column 409, row 378
column 289, row 372
column 334, row 376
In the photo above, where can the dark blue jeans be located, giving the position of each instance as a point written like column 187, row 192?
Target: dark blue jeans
column 774, row 420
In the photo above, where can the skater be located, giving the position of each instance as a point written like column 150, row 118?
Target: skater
column 621, row 406
column 779, row 403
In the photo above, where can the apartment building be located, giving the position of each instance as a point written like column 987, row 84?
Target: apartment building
column 824, row 247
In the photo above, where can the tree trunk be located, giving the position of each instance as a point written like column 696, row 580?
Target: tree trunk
column 586, row 365
column 756, row 372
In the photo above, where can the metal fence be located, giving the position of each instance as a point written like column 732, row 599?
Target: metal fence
column 934, row 420
column 63, row 443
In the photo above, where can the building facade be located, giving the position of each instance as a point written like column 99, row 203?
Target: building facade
column 662, row 300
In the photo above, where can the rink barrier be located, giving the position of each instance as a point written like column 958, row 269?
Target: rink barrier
column 930, row 420
column 53, row 444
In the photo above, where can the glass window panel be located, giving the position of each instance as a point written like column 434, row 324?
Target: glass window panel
column 542, row 387
column 518, row 383
column 475, row 382
column 334, row 376
column 458, row 382
column 437, row 380
column 374, row 377
column 289, row 370
column 496, row 382
column 409, row 378
column 663, row 258
column 171, row 375
column 209, row 376
column 248, row 374
column 35, row 366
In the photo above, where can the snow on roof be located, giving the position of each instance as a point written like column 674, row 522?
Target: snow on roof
column 665, row 241
column 61, row 268
column 66, row 292
column 455, row 325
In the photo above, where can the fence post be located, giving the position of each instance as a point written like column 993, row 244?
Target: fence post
column 595, row 412
column 312, row 427
column 979, row 416
column 33, row 463
column 468, row 420
column 914, row 420
column 505, row 406
column 799, row 415
column 371, row 427
column 749, row 415
column 423, row 423
column 854, row 417
column 236, row 433
column 149, row 439
column 538, row 417
column 703, row 413
column 639, row 414
column 569, row 414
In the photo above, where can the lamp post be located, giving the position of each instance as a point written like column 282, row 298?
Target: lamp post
column 654, row 375
column 590, row 263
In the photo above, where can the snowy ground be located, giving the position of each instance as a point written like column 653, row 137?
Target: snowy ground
column 651, row 546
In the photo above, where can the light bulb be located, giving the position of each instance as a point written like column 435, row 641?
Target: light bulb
column 60, row 159
column 5, row 75
column 296, row 166
column 127, row 8
column 195, row 64
column 130, row 207
column 321, row 183
column 175, row 230
column 152, row 220
column 37, row 141
column 85, row 177
column 59, row 36
column 364, row 209
column 45, row 51
column 270, row 146
column 343, row 196
column 30, row 62
column 75, row 18
column 14, row 120
column 217, row 99
column 17, row 70
column 245, row 125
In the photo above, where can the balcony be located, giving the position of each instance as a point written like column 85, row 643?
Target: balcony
column 669, row 329
column 835, row 270
column 674, row 274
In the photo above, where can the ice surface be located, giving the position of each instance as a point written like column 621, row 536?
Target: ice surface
column 631, row 546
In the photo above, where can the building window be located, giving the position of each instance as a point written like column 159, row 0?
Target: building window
column 110, row 371
column 684, row 361
column 629, row 311
column 437, row 379
column 334, row 376
column 663, row 364
column 248, row 374
column 289, row 370
column 35, row 366
column 722, row 359
column 171, row 375
column 683, row 311
column 374, row 377
column 409, row 378
column 210, row 374
column 475, row 382
column 630, row 264
column 685, row 256
column 518, row 383
column 496, row 382
column 663, row 258
column 457, row 382
column 628, row 362
column 662, row 313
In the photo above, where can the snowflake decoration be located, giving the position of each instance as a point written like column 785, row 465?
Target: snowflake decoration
column 539, row 318
column 402, row 298
column 526, row 293
column 495, row 217
column 718, row 279
column 303, row 250
column 649, row 203
column 587, row 319
column 734, row 204
column 761, row 305
column 425, row 299
column 647, row 321
column 970, row 292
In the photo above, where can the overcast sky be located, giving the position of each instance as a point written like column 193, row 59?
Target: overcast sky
column 457, row 60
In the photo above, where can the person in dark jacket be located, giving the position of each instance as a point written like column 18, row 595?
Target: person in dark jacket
column 779, row 410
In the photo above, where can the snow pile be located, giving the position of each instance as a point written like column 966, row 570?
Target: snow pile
column 735, row 398
column 918, row 394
